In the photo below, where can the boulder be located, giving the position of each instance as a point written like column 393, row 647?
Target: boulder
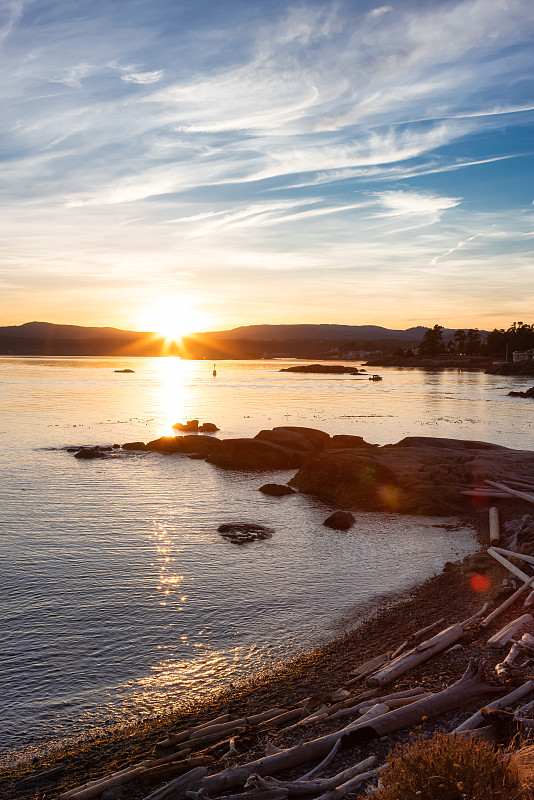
column 165, row 444
column 242, row 532
column 124, row 370
column 348, row 442
column 340, row 520
column 90, row 452
column 276, row 489
column 285, row 438
column 317, row 438
column 254, row 454
column 197, row 444
column 190, row 425
column 134, row 446
column 208, row 427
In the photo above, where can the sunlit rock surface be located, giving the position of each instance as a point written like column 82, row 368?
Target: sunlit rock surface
column 418, row 475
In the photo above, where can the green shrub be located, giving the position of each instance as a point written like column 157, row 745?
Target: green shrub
column 447, row 768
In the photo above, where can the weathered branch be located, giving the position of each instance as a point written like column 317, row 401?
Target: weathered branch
column 422, row 652
column 476, row 720
column 507, row 603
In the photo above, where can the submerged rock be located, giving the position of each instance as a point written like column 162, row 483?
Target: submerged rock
column 276, row 489
column 124, row 370
column 340, row 521
column 90, row 452
column 242, row 532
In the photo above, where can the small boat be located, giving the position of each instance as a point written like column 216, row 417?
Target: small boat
column 375, row 377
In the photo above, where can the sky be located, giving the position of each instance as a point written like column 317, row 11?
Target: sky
column 237, row 162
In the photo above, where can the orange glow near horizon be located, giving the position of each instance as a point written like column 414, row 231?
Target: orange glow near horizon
column 173, row 318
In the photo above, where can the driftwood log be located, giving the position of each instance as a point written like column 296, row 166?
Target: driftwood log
column 494, row 553
column 416, row 637
column 417, row 655
column 510, row 631
column 514, row 492
column 494, row 528
column 470, row 687
column 526, row 643
column 507, row 603
column 477, row 720
column 309, row 788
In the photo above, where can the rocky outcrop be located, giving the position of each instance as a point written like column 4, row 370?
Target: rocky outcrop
column 255, row 454
column 285, row 447
column 528, row 393
column 129, row 371
column 329, row 369
column 184, row 444
column 418, row 475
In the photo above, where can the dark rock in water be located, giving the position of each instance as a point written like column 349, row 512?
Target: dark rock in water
column 116, row 446
column 72, row 449
column 189, row 426
column 242, row 532
column 330, row 369
column 134, row 446
column 254, row 454
column 192, row 426
column 276, row 489
column 165, row 444
column 184, row 444
column 528, row 393
column 124, row 370
column 89, row 452
column 340, row 521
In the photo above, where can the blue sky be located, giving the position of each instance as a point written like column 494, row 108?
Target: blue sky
column 248, row 162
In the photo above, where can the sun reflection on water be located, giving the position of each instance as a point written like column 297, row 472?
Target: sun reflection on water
column 171, row 393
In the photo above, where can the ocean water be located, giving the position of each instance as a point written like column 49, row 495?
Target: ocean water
column 119, row 597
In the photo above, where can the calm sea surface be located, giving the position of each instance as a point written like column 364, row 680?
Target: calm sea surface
column 119, row 597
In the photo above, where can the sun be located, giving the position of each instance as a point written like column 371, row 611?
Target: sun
column 173, row 318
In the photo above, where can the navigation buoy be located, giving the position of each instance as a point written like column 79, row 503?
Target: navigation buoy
column 214, row 370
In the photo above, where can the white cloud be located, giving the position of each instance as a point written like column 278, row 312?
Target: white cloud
column 143, row 77
column 399, row 203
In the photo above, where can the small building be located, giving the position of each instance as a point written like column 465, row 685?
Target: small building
column 523, row 355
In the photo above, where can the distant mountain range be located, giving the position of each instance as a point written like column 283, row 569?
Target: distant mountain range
column 248, row 341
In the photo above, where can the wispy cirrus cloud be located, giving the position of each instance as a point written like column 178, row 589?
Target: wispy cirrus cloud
column 315, row 136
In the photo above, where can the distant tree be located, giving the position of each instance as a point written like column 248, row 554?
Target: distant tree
column 459, row 342
column 432, row 343
column 501, row 343
column 473, row 342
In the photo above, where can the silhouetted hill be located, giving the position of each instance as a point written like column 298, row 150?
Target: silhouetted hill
column 282, row 333
column 248, row 341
